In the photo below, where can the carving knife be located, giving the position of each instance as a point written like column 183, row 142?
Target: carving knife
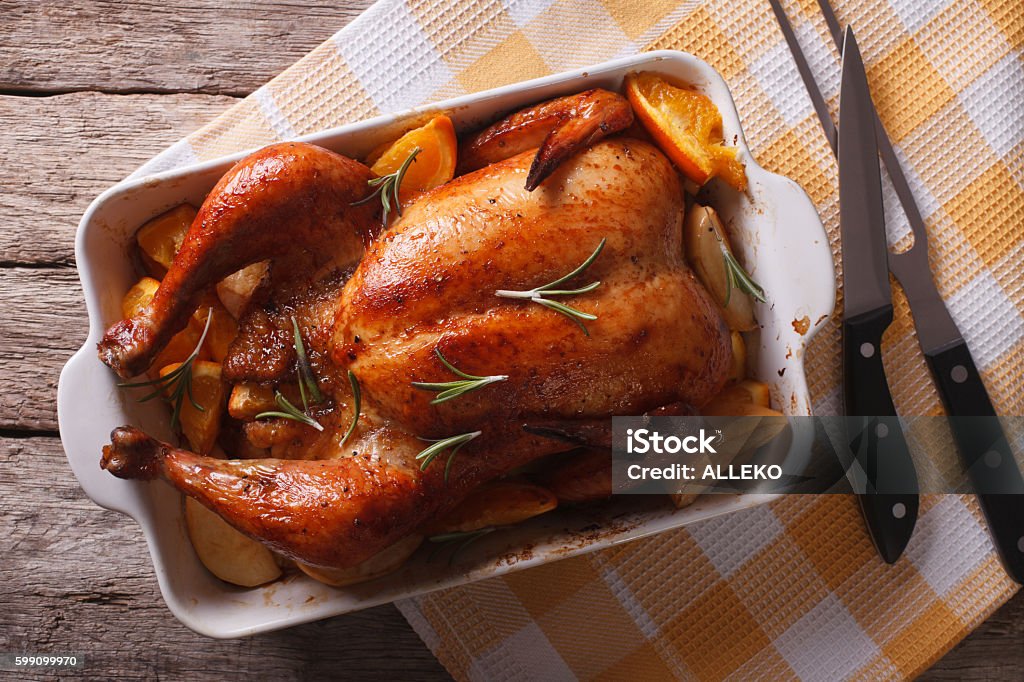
column 982, row 445
column 890, row 500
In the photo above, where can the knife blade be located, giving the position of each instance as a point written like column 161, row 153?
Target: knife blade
column 890, row 501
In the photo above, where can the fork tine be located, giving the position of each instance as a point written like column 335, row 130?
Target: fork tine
column 817, row 99
column 833, row 24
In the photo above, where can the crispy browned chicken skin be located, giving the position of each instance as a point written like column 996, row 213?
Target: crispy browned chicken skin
column 288, row 202
column 428, row 283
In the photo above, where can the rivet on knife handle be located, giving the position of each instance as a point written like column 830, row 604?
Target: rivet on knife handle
column 890, row 507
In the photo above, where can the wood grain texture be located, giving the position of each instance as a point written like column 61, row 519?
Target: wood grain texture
column 78, row 579
column 995, row 651
column 73, row 577
column 225, row 47
column 43, row 324
column 57, row 153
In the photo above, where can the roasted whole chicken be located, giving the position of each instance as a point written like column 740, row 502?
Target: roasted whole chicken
column 457, row 281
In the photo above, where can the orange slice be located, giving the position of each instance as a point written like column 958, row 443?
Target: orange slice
column 687, row 126
column 223, row 328
column 139, row 296
column 209, row 391
column 433, row 166
column 160, row 238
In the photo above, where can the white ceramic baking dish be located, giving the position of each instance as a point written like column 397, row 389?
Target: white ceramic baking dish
column 782, row 242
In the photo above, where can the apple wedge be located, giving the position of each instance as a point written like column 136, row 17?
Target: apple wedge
column 249, row 399
column 229, row 555
column 738, row 372
column 501, row 503
column 236, row 290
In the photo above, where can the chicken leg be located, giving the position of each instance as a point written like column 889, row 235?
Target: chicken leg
column 332, row 513
column 286, row 198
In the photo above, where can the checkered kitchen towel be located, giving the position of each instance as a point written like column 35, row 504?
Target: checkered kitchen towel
column 793, row 589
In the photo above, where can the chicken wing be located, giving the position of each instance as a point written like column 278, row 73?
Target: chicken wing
column 557, row 129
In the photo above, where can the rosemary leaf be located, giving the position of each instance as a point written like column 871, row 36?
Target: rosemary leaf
column 538, row 294
column 307, row 380
column 452, row 443
column 289, row 411
column 737, row 277
column 386, row 188
column 580, row 269
column 573, row 314
column 357, row 400
column 566, row 310
column 572, row 292
column 453, row 389
column 176, row 384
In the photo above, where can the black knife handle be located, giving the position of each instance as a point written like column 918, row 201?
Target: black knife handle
column 878, row 441
column 985, row 451
column 865, row 388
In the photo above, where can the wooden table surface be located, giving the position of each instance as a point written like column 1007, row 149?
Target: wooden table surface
column 88, row 92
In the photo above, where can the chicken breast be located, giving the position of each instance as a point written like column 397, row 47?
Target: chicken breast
column 430, row 281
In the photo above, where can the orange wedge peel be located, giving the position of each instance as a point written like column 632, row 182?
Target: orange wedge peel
column 687, row 126
column 160, row 238
column 181, row 344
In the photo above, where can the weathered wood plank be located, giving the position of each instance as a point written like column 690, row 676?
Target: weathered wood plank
column 995, row 651
column 76, row 578
column 42, row 324
column 201, row 46
column 58, row 153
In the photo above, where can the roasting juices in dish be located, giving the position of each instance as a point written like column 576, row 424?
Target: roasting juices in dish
column 382, row 348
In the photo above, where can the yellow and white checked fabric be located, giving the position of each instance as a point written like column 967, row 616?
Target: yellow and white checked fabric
column 793, row 589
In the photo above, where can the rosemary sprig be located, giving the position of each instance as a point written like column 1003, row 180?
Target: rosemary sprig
column 177, row 383
column 735, row 275
column 454, row 389
column 386, row 187
column 307, row 381
column 307, row 384
column 538, row 294
column 454, row 443
column 357, row 399
column 459, row 540
column 289, row 411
